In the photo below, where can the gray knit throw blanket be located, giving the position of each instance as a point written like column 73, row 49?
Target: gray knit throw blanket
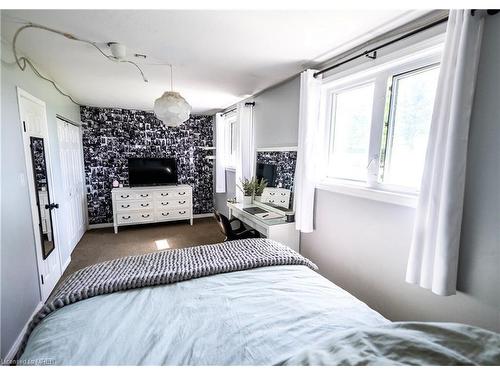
column 166, row 267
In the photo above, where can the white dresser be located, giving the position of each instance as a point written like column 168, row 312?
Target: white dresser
column 143, row 205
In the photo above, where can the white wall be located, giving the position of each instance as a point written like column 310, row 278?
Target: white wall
column 276, row 119
column 277, row 115
column 363, row 245
column 19, row 279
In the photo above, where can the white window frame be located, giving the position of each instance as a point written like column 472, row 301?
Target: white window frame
column 230, row 155
column 413, row 58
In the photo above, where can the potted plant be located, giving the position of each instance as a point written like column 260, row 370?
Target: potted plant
column 247, row 187
column 259, row 186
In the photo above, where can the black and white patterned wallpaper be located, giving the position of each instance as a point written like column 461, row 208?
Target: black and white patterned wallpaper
column 285, row 162
column 111, row 136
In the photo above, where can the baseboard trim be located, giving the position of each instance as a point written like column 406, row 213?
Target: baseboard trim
column 15, row 346
column 199, row 216
column 110, row 225
column 97, row 226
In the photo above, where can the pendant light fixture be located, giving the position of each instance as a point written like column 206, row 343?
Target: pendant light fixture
column 171, row 107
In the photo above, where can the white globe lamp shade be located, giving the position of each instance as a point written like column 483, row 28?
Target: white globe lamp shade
column 172, row 108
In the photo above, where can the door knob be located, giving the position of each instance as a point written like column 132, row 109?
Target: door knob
column 51, row 206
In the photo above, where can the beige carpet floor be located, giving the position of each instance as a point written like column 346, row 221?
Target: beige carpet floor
column 99, row 245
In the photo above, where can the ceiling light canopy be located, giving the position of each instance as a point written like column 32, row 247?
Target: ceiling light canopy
column 171, row 107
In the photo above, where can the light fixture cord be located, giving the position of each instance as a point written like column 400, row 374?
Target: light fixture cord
column 23, row 61
column 171, row 77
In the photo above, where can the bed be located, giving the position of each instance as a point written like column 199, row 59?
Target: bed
column 272, row 310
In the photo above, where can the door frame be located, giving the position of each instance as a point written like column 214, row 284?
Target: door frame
column 31, row 189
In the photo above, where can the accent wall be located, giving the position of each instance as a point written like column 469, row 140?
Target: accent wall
column 112, row 135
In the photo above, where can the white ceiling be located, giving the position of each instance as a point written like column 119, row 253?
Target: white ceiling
column 219, row 57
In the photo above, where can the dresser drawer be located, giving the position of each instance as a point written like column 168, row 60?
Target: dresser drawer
column 125, row 206
column 276, row 193
column 277, row 201
column 173, row 193
column 135, row 217
column 277, row 196
column 177, row 214
column 158, row 195
column 171, row 203
column 134, row 195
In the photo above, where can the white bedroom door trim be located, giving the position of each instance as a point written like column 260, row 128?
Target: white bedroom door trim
column 33, row 116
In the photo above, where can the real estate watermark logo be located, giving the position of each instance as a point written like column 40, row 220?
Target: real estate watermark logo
column 28, row 362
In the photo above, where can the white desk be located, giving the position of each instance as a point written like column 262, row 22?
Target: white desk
column 275, row 229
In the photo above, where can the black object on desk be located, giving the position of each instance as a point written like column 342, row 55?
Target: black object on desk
column 254, row 210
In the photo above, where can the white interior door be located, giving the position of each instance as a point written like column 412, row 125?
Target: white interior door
column 72, row 212
column 33, row 117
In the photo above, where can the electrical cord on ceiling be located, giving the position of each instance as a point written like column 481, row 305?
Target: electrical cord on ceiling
column 23, row 61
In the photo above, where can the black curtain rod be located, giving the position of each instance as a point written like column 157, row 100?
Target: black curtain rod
column 234, row 109
column 372, row 53
column 228, row 111
column 489, row 12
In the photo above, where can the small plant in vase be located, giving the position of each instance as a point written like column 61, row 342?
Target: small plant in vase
column 247, row 187
column 259, row 187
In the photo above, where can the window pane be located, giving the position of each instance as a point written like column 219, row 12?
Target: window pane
column 412, row 106
column 234, row 138
column 351, row 122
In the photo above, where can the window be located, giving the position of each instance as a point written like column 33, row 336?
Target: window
column 234, row 139
column 350, row 124
column 379, row 123
column 407, row 131
column 231, row 141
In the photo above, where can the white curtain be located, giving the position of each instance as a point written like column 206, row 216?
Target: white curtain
column 433, row 260
column 245, row 160
column 310, row 151
column 220, row 168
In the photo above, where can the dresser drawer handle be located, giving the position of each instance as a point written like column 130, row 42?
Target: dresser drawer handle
column 144, row 204
column 282, row 201
column 283, row 194
column 182, row 192
column 145, row 216
column 125, row 196
column 144, row 195
column 272, row 193
column 182, row 212
column 164, row 194
column 271, row 200
column 125, row 206
column 164, row 203
column 126, row 217
column 165, row 213
column 182, row 202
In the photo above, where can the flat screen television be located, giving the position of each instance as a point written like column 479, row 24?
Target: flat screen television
column 152, row 171
column 267, row 172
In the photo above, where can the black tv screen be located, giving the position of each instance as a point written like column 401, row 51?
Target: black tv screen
column 267, row 172
column 151, row 171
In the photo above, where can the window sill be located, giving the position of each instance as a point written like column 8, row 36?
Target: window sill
column 363, row 191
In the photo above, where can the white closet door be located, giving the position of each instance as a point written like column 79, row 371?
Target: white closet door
column 73, row 209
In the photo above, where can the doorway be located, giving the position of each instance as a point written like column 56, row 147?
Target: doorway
column 33, row 115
